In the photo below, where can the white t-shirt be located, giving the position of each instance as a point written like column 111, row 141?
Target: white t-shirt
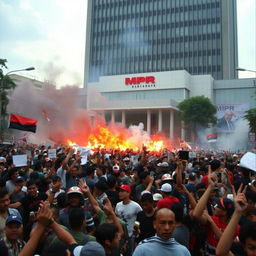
column 128, row 213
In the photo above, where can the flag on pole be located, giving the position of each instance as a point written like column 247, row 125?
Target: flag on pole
column 22, row 123
column 212, row 137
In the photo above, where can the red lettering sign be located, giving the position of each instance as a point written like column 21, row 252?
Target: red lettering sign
column 139, row 80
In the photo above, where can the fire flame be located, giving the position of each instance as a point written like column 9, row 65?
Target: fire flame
column 103, row 137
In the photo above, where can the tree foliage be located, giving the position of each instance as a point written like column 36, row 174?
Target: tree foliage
column 198, row 110
column 6, row 84
column 250, row 116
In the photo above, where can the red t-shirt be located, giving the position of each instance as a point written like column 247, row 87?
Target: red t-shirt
column 211, row 238
column 167, row 202
column 205, row 180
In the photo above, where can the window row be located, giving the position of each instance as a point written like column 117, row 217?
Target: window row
column 113, row 26
column 154, row 6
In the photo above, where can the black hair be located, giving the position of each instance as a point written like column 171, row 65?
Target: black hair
column 31, row 183
column 34, row 175
column 183, row 176
column 177, row 208
column 200, row 186
column 55, row 177
column 203, row 168
column 195, row 163
column 38, row 166
column 3, row 192
column 215, row 164
column 62, row 200
column 147, row 197
column 248, row 231
column 90, row 169
column 2, row 182
column 111, row 181
column 105, row 231
column 251, row 195
column 12, row 171
column 143, row 175
column 101, row 167
column 76, row 217
column 101, row 185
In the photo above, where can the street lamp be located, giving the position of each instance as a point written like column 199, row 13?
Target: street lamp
column 243, row 69
column 2, row 88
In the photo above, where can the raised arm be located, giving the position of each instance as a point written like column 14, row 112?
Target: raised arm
column 69, row 155
column 199, row 209
column 179, row 172
column 86, row 191
column 108, row 209
column 227, row 237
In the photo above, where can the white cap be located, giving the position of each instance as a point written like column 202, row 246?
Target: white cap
column 167, row 188
column 165, row 164
column 157, row 197
column 145, row 192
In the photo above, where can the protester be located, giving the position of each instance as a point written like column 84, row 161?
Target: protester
column 10, row 243
column 162, row 244
column 5, row 209
column 163, row 172
column 127, row 210
column 215, row 225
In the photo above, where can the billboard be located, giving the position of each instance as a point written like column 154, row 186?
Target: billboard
column 228, row 116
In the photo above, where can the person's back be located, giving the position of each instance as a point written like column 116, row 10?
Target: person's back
column 77, row 224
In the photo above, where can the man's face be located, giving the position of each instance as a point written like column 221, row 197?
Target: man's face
column 164, row 223
column 123, row 194
column 14, row 176
column 4, row 203
column 250, row 247
column 56, row 184
column 74, row 200
column 147, row 206
column 32, row 190
column 228, row 116
column 13, row 230
column 74, row 171
column 99, row 171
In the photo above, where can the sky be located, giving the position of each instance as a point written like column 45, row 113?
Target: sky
column 50, row 35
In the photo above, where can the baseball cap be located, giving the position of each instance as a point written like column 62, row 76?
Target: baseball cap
column 126, row 188
column 116, row 168
column 126, row 159
column 91, row 248
column 165, row 164
column 167, row 188
column 145, row 192
column 166, row 177
column 2, row 159
column 226, row 205
column 19, row 178
column 74, row 190
column 157, row 197
column 13, row 218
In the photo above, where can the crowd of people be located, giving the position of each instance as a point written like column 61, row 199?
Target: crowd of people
column 126, row 203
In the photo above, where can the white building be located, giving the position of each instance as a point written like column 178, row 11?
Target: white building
column 152, row 98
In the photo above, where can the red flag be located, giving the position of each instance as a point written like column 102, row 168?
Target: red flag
column 22, row 123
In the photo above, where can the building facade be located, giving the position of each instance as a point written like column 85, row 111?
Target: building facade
column 143, row 36
column 152, row 98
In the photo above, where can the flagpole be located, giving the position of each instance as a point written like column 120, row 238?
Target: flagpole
column 2, row 90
